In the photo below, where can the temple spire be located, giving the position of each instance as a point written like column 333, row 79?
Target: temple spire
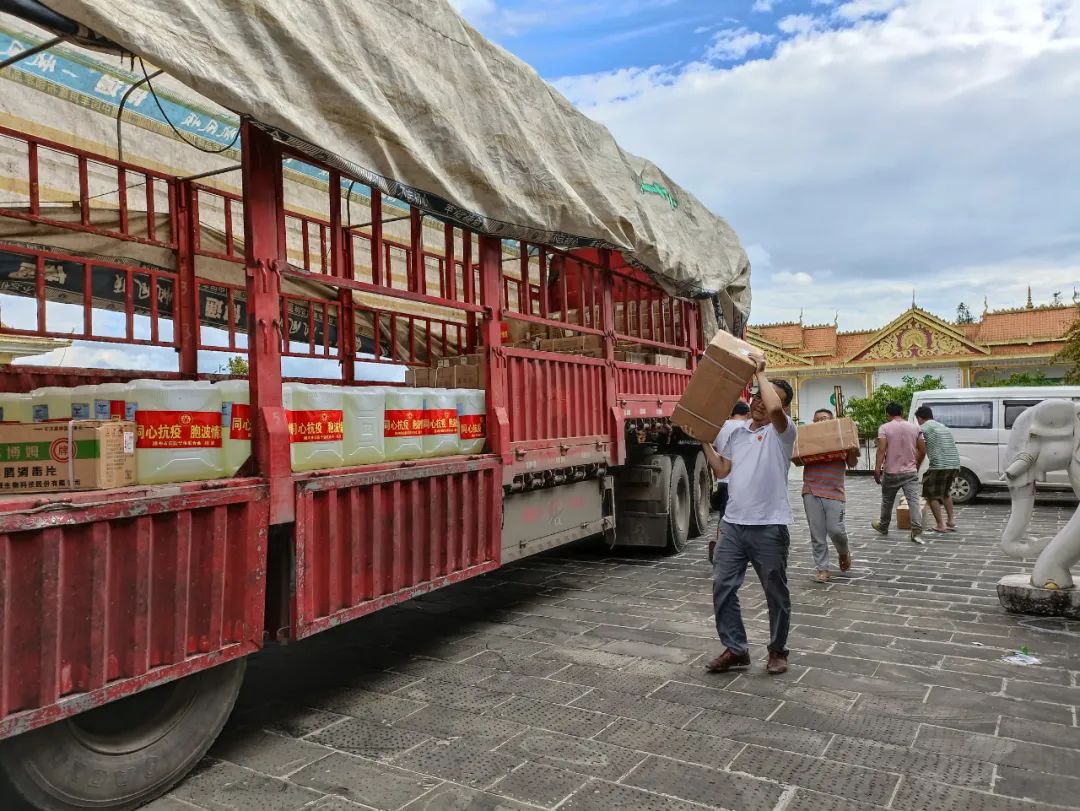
column 986, row 305
column 1029, row 304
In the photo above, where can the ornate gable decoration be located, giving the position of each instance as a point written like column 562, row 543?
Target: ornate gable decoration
column 776, row 357
column 917, row 334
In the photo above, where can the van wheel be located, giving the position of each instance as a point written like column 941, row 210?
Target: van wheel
column 701, row 486
column 678, row 507
column 124, row 754
column 964, row 487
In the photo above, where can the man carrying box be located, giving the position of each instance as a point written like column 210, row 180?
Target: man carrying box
column 824, row 500
column 756, row 457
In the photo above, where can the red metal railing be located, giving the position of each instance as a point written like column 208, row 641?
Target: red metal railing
column 59, row 176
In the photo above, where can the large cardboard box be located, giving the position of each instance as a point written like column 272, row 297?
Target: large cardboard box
column 825, row 441
column 903, row 513
column 581, row 344
column 38, row 457
column 716, row 385
column 461, row 376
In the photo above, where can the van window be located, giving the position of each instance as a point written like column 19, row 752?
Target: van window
column 964, row 415
column 1014, row 408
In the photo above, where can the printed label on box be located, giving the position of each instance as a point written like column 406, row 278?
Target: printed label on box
column 441, row 421
column 113, row 410
column 315, row 426
column 178, row 429
column 403, row 423
column 236, row 418
column 473, row 426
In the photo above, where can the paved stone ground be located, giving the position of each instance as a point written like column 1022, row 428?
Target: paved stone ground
column 574, row 681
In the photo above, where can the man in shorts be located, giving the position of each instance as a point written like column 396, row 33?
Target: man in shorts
column 944, row 467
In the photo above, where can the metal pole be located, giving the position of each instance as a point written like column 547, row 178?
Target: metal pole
column 44, row 46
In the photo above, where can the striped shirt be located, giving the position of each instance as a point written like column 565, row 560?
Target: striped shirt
column 825, row 479
column 940, row 446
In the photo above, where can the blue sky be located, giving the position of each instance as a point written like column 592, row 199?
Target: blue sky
column 863, row 150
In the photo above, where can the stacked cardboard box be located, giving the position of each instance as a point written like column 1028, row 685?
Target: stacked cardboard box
column 77, row 455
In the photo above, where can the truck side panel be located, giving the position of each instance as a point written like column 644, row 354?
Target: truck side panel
column 102, row 598
column 371, row 538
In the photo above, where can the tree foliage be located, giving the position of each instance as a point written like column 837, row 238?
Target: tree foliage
column 1019, row 379
column 1070, row 353
column 237, row 366
column 963, row 314
column 869, row 412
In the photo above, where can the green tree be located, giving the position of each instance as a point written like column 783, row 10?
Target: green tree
column 1019, row 379
column 237, row 366
column 963, row 314
column 869, row 412
column 1070, row 353
column 1056, row 300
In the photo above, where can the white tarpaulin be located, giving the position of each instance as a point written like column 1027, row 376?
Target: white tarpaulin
column 410, row 98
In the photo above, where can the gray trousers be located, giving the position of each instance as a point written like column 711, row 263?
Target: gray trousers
column 891, row 484
column 766, row 549
column 826, row 519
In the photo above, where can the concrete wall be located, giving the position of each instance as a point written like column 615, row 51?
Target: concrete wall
column 950, row 375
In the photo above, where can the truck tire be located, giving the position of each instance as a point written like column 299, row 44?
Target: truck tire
column 678, row 507
column 701, row 486
column 124, row 754
column 964, row 487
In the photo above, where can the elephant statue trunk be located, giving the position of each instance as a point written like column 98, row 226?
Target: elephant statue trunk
column 1046, row 437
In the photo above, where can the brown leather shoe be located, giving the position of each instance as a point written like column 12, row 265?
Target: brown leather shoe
column 777, row 663
column 728, row 660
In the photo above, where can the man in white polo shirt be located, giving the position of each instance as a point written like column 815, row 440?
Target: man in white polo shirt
column 756, row 457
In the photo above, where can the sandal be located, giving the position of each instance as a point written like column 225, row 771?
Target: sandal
column 822, row 576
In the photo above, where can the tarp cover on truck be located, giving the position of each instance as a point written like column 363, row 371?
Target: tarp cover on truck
column 405, row 90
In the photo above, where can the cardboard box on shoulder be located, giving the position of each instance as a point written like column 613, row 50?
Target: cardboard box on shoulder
column 825, row 441
column 49, row 457
column 716, row 385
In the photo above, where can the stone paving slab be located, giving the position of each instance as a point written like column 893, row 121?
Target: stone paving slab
column 575, row 681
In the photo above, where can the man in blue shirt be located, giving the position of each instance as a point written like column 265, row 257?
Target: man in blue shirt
column 756, row 457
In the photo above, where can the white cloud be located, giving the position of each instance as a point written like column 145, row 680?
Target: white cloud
column 764, row 6
column 860, row 9
column 733, row 44
column 899, row 150
column 796, row 24
column 800, row 278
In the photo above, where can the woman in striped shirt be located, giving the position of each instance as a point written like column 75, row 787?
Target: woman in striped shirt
column 824, row 500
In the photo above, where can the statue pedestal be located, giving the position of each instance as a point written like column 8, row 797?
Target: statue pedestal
column 1018, row 596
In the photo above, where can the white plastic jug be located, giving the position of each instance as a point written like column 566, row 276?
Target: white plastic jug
column 403, row 425
column 50, row 404
column 112, row 401
column 440, row 423
column 82, row 402
column 178, row 431
column 472, row 419
column 15, row 407
column 235, row 423
column 315, row 426
column 364, row 411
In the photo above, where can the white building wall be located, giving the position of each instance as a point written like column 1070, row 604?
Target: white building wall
column 817, row 393
column 950, row 375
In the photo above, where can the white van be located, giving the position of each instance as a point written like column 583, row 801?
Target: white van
column 981, row 420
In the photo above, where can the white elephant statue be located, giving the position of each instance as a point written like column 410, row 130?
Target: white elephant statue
column 1044, row 438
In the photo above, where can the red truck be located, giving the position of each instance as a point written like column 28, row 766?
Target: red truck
column 126, row 615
